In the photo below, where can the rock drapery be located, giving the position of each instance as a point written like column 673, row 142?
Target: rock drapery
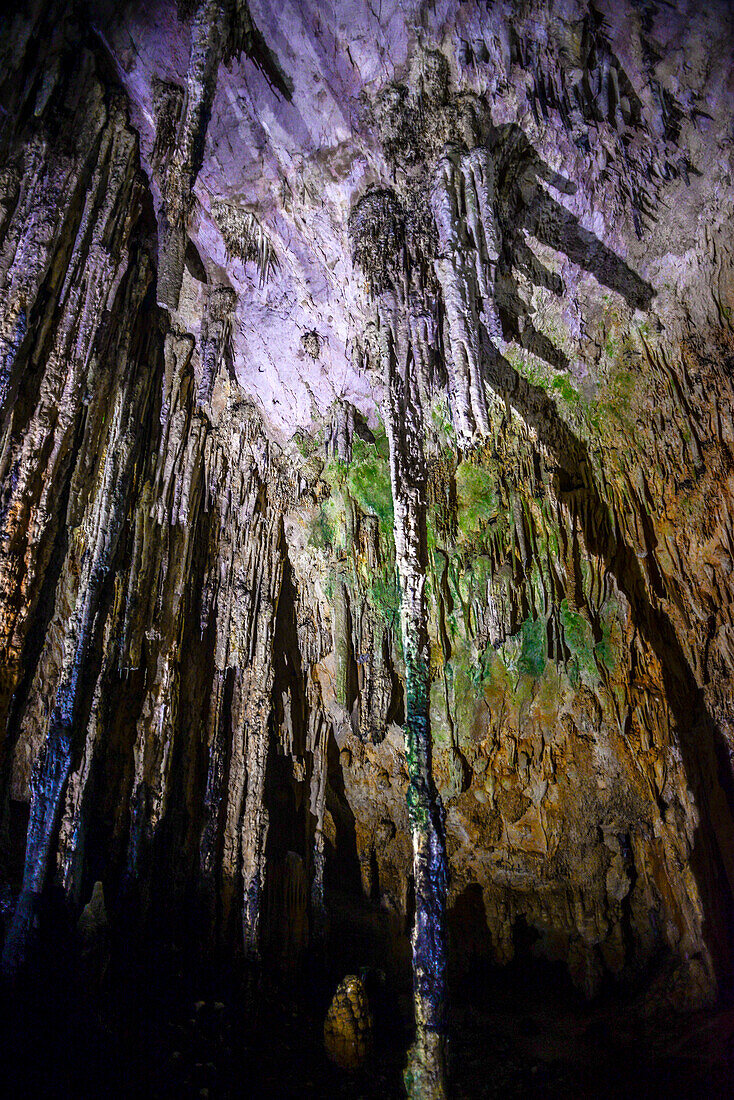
column 364, row 373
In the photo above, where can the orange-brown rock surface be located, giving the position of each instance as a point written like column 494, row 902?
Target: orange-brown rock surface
column 348, row 1025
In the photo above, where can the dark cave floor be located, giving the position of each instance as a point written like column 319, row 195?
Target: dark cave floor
column 153, row 1032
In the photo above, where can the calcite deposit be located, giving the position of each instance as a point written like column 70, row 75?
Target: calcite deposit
column 348, row 1025
column 367, row 489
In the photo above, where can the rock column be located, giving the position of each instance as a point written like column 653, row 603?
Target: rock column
column 426, row 1071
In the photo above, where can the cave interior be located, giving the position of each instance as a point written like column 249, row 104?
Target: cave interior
column 367, row 548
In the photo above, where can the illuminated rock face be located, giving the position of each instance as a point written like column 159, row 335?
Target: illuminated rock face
column 363, row 372
column 348, row 1025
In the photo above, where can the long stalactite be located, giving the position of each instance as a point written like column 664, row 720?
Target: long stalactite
column 425, row 1075
column 398, row 281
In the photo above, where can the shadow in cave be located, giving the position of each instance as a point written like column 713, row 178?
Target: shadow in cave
column 702, row 744
column 341, row 870
column 362, row 932
column 479, row 982
column 524, row 204
column 288, row 866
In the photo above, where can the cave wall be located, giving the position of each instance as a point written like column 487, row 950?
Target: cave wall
column 201, row 669
column 143, row 550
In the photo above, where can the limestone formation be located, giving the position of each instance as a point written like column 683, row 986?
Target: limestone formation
column 367, row 497
column 348, row 1025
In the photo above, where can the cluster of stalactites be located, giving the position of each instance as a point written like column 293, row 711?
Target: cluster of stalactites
column 180, row 167
column 216, row 339
column 453, row 322
column 220, row 30
column 462, row 199
column 378, row 237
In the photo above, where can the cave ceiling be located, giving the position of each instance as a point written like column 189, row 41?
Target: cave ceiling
column 299, row 131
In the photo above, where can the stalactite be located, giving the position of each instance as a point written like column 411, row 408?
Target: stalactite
column 43, row 188
column 462, row 199
column 216, row 338
column 95, row 267
column 210, row 30
column 247, row 816
column 342, row 634
column 245, row 238
column 100, row 531
column 166, row 526
column 426, row 1072
column 319, row 729
column 377, row 233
